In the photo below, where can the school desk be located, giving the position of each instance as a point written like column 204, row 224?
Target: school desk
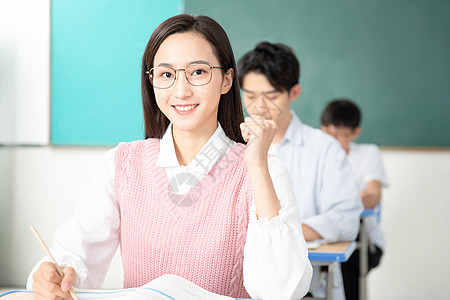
column 328, row 255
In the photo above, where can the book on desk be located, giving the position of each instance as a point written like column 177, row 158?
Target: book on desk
column 164, row 287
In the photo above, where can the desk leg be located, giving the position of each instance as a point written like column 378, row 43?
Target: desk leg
column 330, row 281
column 363, row 260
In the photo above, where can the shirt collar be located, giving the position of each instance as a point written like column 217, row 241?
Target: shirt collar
column 351, row 147
column 167, row 156
column 217, row 145
column 294, row 132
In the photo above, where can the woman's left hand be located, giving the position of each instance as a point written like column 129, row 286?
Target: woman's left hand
column 258, row 133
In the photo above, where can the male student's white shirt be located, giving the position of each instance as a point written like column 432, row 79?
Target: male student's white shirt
column 367, row 164
column 276, row 264
column 324, row 186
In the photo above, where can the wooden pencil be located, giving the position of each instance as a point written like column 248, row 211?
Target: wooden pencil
column 50, row 256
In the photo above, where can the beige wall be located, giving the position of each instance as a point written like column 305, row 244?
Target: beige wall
column 24, row 72
column 416, row 222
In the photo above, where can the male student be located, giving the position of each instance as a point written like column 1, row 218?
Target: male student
column 324, row 185
column 341, row 119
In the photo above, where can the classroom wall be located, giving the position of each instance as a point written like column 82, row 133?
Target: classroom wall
column 40, row 186
column 415, row 221
column 24, row 72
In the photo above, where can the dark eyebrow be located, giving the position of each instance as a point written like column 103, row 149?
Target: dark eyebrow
column 165, row 65
column 271, row 92
column 191, row 63
column 200, row 62
column 268, row 92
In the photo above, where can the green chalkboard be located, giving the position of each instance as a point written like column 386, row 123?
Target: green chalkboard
column 391, row 57
column 96, row 53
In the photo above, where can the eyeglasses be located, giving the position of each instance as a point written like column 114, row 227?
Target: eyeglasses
column 197, row 74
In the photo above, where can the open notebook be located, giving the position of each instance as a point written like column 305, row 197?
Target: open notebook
column 164, row 287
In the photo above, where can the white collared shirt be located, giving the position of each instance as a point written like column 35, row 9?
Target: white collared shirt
column 366, row 162
column 217, row 146
column 324, row 184
column 276, row 264
column 325, row 188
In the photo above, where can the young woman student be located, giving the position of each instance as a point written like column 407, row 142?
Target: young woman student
column 232, row 228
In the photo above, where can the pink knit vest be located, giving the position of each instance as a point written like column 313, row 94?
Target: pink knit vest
column 199, row 236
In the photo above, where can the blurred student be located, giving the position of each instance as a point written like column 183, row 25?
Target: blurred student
column 341, row 119
column 324, row 184
column 230, row 226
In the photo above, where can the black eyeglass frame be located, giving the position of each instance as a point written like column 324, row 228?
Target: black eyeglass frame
column 149, row 73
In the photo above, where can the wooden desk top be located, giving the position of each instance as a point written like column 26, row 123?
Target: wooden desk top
column 339, row 252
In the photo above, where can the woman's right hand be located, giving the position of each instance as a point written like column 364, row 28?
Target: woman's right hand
column 47, row 284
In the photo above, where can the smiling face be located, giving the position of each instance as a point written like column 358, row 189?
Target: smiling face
column 190, row 108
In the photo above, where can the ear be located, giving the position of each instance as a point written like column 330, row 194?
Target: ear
column 227, row 81
column 356, row 133
column 295, row 91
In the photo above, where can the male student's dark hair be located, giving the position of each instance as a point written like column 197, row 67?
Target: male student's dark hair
column 275, row 61
column 341, row 112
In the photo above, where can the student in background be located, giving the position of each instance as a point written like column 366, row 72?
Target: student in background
column 324, row 185
column 191, row 199
column 341, row 119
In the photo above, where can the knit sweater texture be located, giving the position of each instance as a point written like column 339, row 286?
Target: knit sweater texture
column 199, row 236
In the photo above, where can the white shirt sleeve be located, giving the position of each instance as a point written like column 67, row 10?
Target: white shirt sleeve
column 276, row 264
column 339, row 206
column 88, row 241
column 372, row 168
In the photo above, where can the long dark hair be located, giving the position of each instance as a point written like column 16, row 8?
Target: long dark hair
column 230, row 114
